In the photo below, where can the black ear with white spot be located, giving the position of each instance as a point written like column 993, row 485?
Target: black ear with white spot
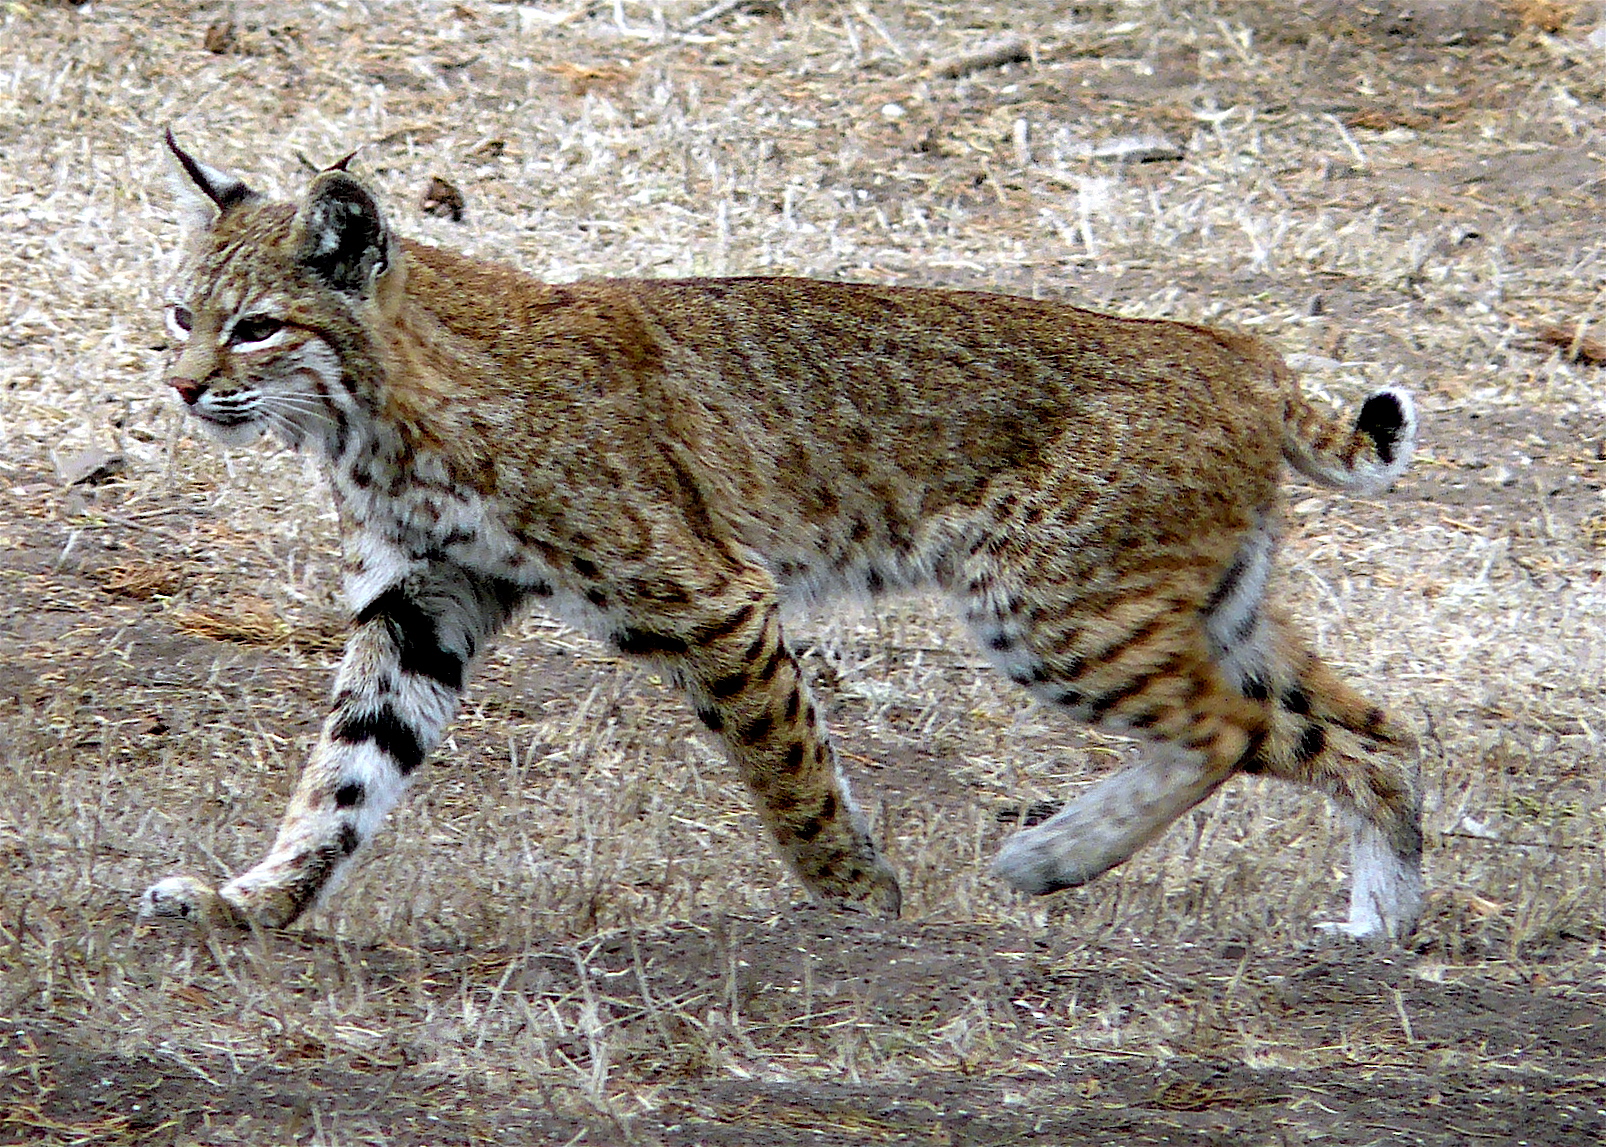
column 344, row 240
column 222, row 191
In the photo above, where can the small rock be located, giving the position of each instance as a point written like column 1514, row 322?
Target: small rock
column 92, row 467
column 1137, row 149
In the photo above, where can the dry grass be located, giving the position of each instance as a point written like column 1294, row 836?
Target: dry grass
column 575, row 932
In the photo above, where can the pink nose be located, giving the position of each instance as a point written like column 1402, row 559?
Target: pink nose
column 188, row 389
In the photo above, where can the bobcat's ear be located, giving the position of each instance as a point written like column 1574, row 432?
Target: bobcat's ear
column 205, row 193
column 343, row 237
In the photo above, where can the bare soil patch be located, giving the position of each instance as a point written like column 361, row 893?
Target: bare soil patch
column 575, row 933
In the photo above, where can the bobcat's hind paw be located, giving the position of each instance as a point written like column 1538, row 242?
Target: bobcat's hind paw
column 189, row 899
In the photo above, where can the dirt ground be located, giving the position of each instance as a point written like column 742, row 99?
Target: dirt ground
column 574, row 933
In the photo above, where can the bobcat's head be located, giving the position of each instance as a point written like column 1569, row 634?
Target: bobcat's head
column 275, row 306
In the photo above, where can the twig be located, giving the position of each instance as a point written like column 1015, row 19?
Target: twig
column 713, row 12
column 1574, row 345
column 1501, row 842
column 993, row 54
column 875, row 25
column 1349, row 141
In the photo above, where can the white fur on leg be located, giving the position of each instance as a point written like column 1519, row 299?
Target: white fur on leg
column 1106, row 824
column 1385, row 890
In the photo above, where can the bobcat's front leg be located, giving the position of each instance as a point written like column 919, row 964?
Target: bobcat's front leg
column 397, row 688
column 747, row 687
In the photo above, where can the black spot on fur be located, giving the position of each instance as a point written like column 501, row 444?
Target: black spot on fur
column 1228, row 583
column 810, row 828
column 794, row 757
column 1381, row 419
column 1101, row 705
column 644, row 643
column 1296, row 700
column 413, row 630
column 828, row 807
column 874, row 582
column 1000, row 642
column 727, row 687
column 1311, row 743
column 584, row 567
column 1069, row 697
column 794, row 700
column 597, row 598
column 508, row 595
column 771, row 665
column 349, row 795
column 724, row 627
column 389, row 733
column 348, row 840
column 758, row 729
column 711, row 718
column 1256, row 690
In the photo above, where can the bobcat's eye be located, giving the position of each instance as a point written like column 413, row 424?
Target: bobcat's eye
column 179, row 321
column 254, row 329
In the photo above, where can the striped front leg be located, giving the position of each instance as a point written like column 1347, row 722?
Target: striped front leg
column 398, row 686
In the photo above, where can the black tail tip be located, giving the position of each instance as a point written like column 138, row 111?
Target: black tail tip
column 1382, row 418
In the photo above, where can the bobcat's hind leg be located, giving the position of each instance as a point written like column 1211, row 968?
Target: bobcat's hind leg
column 1132, row 660
column 747, row 687
column 397, row 688
column 1198, row 731
column 1327, row 736
column 1321, row 733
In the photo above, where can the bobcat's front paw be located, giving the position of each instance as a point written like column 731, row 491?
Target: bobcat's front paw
column 186, row 898
column 884, row 896
column 868, row 886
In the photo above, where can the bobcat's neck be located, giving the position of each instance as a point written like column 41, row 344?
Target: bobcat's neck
column 421, row 385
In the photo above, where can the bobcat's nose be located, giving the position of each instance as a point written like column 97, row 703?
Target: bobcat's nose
column 188, row 389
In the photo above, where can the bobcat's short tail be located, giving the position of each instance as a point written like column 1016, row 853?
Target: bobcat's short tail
column 1362, row 458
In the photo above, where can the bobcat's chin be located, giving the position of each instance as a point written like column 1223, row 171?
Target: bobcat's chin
column 231, row 433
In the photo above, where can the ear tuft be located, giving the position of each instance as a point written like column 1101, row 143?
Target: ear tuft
column 344, row 240
column 222, row 191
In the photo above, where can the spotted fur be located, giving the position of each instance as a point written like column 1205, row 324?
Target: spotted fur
column 665, row 462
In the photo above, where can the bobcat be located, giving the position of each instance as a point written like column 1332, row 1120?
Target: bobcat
column 666, row 461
